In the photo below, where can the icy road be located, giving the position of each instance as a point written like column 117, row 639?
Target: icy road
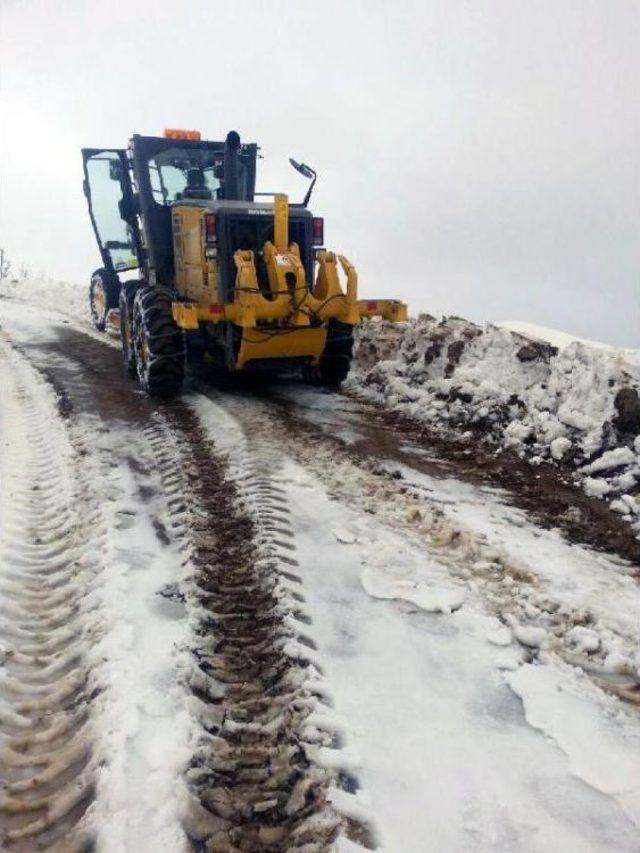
column 269, row 619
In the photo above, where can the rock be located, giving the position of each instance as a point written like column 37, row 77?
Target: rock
column 454, row 353
column 431, row 353
column 627, row 405
column 471, row 332
column 536, row 351
column 457, row 394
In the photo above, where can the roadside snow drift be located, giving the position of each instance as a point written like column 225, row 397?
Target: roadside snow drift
column 577, row 406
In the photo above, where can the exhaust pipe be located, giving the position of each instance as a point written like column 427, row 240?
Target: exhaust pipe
column 231, row 176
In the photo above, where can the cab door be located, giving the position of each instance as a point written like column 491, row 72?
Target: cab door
column 107, row 187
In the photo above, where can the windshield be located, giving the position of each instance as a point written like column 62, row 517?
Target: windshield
column 179, row 173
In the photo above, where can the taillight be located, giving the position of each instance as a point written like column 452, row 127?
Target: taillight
column 318, row 231
column 210, row 231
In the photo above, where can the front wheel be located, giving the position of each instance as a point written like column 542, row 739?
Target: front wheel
column 127, row 296
column 158, row 343
column 104, row 293
column 335, row 361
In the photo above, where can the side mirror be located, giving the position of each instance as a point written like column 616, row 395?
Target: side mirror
column 307, row 172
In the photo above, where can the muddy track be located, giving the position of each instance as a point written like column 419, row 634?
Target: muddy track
column 45, row 741
column 255, row 681
column 546, row 493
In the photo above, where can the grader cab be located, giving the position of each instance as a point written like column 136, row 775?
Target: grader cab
column 235, row 279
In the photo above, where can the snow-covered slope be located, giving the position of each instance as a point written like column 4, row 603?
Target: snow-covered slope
column 64, row 296
column 551, row 336
column 576, row 405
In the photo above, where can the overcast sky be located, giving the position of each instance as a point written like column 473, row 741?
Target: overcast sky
column 479, row 158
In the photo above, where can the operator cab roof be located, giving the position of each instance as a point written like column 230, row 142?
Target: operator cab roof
column 255, row 208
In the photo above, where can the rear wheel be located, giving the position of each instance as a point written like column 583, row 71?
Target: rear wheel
column 127, row 295
column 158, row 343
column 104, row 293
column 335, row 361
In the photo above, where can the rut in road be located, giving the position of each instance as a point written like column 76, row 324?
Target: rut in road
column 45, row 743
column 257, row 686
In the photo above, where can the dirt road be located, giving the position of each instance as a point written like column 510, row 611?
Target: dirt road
column 276, row 619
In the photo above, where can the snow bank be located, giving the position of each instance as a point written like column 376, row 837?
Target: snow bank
column 577, row 405
column 64, row 296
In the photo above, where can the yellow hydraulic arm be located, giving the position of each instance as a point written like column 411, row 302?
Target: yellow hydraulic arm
column 290, row 301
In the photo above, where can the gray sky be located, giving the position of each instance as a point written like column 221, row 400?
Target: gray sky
column 479, row 158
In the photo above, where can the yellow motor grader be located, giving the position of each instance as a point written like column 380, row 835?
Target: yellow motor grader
column 224, row 276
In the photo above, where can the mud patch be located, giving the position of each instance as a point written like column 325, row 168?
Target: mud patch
column 547, row 494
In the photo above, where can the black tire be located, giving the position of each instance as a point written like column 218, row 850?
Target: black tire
column 127, row 295
column 104, row 293
column 335, row 361
column 157, row 342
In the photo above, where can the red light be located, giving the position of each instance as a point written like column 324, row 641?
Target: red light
column 318, row 231
column 216, row 309
column 210, row 230
column 372, row 306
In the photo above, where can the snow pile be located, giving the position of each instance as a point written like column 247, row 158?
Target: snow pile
column 63, row 296
column 578, row 405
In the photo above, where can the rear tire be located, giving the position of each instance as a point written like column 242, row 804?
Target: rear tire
column 104, row 293
column 335, row 361
column 157, row 342
column 127, row 295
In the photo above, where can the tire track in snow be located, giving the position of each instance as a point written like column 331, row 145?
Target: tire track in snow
column 45, row 727
column 256, row 682
column 507, row 583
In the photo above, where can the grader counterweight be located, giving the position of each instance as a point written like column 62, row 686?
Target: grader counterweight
column 223, row 276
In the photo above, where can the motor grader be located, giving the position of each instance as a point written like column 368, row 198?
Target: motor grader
column 200, row 267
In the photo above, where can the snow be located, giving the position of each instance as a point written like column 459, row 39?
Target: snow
column 617, row 458
column 423, row 587
column 147, row 728
column 559, row 446
column 60, row 296
column 546, row 403
column 557, row 702
column 440, row 615
column 529, row 635
column 551, row 336
column 136, row 635
column 596, row 487
column 429, row 700
column 583, row 639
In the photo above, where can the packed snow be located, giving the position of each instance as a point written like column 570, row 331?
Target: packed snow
column 577, row 406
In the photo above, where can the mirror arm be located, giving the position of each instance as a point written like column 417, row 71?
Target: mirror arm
column 310, row 190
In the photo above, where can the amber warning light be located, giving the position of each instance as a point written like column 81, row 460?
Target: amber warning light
column 174, row 133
